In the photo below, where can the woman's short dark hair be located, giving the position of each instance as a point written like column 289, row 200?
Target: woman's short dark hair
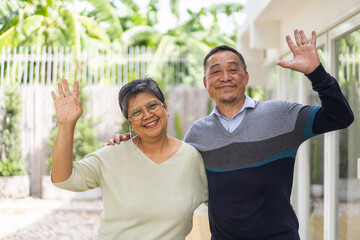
column 133, row 88
column 224, row 48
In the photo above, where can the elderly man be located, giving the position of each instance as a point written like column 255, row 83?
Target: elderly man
column 249, row 147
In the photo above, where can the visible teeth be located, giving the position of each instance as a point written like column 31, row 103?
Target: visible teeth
column 150, row 124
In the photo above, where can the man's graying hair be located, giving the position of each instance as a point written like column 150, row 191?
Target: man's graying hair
column 133, row 88
column 224, row 48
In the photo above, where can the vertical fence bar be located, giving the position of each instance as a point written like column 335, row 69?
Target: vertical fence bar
column 78, row 64
column 43, row 65
column 2, row 65
column 26, row 62
column 61, row 63
column 55, row 66
column 37, row 66
column 48, row 66
column 113, row 67
column 101, row 64
column 32, row 62
column 137, row 58
column 126, row 66
column 131, row 59
column 8, row 66
column 96, row 57
column 142, row 61
column 84, row 56
column 107, row 66
column 119, row 66
column 14, row 64
column 21, row 55
column 73, row 64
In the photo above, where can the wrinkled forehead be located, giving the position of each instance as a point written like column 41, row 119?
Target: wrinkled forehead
column 223, row 58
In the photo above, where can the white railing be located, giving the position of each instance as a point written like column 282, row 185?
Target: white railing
column 113, row 66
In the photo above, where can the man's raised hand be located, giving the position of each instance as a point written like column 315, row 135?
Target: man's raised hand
column 306, row 58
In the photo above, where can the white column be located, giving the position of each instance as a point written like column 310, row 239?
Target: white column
column 331, row 176
column 303, row 172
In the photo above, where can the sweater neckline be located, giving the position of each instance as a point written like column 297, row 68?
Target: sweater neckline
column 140, row 154
column 237, row 129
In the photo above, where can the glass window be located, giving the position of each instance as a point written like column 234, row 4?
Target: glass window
column 348, row 57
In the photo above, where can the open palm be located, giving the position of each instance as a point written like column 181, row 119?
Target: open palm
column 306, row 58
column 68, row 106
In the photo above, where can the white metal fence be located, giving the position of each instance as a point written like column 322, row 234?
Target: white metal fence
column 35, row 72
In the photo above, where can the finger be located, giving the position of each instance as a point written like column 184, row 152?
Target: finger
column 77, row 102
column 313, row 38
column 304, row 39
column 111, row 141
column 290, row 43
column 108, row 144
column 285, row 64
column 297, row 38
column 76, row 89
column 54, row 97
column 61, row 92
column 66, row 88
column 125, row 136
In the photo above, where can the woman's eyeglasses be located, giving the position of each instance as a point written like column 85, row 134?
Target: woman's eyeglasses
column 152, row 107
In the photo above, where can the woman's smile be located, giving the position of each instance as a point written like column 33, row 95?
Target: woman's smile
column 151, row 124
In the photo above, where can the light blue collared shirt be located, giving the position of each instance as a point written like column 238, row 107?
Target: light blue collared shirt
column 231, row 124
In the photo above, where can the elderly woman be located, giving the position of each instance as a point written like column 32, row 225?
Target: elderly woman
column 150, row 185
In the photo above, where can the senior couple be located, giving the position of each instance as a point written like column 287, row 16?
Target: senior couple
column 240, row 158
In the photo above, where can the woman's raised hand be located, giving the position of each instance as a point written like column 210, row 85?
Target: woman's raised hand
column 68, row 107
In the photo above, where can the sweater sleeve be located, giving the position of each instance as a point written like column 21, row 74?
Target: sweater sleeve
column 335, row 112
column 85, row 175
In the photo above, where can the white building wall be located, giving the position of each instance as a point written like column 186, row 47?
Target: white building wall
column 262, row 36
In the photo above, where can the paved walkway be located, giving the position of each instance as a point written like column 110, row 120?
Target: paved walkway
column 39, row 219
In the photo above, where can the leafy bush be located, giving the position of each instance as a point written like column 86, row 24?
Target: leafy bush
column 11, row 161
column 85, row 141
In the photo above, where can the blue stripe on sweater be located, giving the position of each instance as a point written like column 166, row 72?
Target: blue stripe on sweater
column 309, row 123
column 288, row 153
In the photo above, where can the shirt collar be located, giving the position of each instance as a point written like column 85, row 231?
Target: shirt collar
column 249, row 103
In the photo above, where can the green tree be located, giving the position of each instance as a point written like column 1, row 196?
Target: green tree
column 52, row 23
column 191, row 41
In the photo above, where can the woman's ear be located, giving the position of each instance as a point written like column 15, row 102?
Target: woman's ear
column 166, row 109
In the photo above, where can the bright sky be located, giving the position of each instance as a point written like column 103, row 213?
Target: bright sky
column 167, row 20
